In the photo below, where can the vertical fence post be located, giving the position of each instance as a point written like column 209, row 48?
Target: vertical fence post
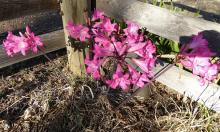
column 73, row 10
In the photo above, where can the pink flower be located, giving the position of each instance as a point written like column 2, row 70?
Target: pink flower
column 138, row 79
column 32, row 40
column 102, row 40
column 131, row 32
column 197, row 47
column 78, row 31
column 145, row 64
column 120, row 48
column 100, row 51
column 108, row 26
column 196, row 56
column 212, row 72
column 218, row 65
column 147, row 51
column 132, row 29
column 15, row 44
column 119, row 79
column 97, row 15
column 187, row 62
column 136, row 46
column 104, row 27
column 93, row 67
column 198, row 41
column 201, row 65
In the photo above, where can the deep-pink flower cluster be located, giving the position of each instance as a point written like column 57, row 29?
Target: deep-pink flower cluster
column 78, row 32
column 132, row 52
column 196, row 56
column 15, row 44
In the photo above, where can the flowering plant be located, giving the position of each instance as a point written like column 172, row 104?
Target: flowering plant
column 197, row 56
column 130, row 53
column 129, row 47
column 15, row 44
column 120, row 46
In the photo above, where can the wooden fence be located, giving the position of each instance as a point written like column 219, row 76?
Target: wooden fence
column 161, row 22
column 15, row 8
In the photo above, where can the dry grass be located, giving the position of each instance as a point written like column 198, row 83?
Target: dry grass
column 189, row 117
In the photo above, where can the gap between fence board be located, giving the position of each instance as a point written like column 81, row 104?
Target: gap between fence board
column 52, row 41
column 175, row 27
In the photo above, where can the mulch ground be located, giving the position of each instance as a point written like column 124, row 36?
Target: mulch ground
column 33, row 97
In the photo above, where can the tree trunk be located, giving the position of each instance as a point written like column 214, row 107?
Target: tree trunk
column 73, row 10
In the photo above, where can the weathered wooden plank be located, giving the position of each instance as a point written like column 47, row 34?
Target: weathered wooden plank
column 74, row 10
column 14, row 8
column 176, row 27
column 208, row 9
column 204, row 5
column 40, row 23
column 53, row 41
column 189, row 86
column 161, row 21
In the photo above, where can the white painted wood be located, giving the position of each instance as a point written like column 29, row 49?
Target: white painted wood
column 52, row 41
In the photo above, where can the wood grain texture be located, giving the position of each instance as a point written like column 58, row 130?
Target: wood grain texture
column 188, row 85
column 15, row 8
column 207, row 9
column 161, row 21
column 204, row 5
column 73, row 10
column 53, row 41
column 40, row 23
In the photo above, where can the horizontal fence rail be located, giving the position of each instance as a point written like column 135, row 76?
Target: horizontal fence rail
column 175, row 27
column 53, row 41
column 40, row 23
column 15, row 8
column 205, row 9
column 161, row 21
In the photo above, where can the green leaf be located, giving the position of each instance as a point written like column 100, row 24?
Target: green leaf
column 175, row 46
